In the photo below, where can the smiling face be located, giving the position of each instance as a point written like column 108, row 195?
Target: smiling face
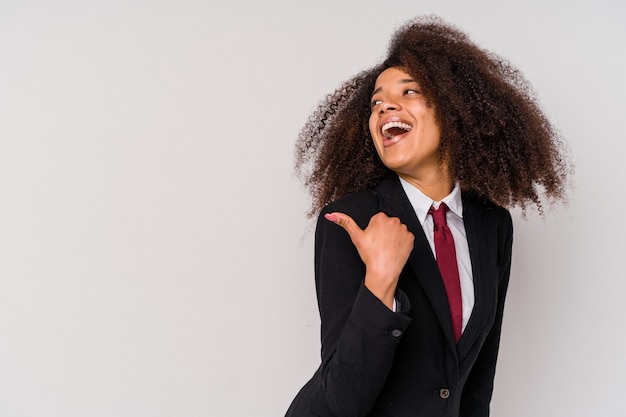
column 405, row 132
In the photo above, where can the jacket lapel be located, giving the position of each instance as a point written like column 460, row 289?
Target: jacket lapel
column 482, row 241
column 394, row 202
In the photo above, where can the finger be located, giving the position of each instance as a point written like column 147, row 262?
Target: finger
column 346, row 222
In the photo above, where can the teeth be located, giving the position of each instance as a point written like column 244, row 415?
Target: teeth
column 387, row 126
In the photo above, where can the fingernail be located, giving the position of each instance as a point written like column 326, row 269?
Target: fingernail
column 331, row 217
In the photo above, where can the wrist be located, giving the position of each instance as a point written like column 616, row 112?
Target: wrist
column 383, row 289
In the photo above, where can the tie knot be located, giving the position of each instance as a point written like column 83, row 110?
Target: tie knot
column 439, row 215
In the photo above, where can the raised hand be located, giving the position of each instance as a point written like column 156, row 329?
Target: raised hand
column 384, row 247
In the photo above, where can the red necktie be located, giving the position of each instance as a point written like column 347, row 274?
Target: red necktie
column 446, row 260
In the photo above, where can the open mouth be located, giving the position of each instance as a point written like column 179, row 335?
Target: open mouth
column 392, row 129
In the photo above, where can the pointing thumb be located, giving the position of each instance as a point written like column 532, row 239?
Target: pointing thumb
column 346, row 222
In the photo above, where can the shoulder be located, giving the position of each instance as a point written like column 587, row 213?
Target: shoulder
column 387, row 196
column 493, row 226
column 488, row 210
column 361, row 206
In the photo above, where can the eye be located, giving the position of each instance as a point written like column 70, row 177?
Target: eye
column 375, row 103
column 411, row 91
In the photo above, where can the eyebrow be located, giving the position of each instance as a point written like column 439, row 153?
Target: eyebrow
column 403, row 81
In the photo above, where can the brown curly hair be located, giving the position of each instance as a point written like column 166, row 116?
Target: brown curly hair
column 495, row 138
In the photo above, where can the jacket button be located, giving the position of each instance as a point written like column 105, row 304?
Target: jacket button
column 396, row 332
column 444, row 393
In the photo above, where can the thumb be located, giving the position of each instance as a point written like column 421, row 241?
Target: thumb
column 346, row 222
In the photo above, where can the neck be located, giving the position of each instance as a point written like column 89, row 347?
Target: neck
column 436, row 188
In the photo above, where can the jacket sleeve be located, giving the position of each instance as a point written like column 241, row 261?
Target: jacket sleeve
column 359, row 333
column 476, row 395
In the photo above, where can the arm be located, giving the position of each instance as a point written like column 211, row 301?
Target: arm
column 359, row 331
column 479, row 386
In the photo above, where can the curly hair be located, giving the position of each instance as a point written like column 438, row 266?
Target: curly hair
column 494, row 136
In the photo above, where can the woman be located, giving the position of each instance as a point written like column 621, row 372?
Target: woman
column 411, row 164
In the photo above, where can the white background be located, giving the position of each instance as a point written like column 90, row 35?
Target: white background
column 155, row 258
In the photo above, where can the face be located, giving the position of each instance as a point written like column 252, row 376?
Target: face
column 403, row 127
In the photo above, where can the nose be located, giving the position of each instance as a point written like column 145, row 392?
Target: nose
column 389, row 105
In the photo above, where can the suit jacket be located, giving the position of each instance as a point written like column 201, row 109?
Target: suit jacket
column 379, row 363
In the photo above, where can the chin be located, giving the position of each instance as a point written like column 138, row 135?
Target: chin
column 394, row 165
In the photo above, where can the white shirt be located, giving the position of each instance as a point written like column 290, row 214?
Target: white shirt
column 421, row 204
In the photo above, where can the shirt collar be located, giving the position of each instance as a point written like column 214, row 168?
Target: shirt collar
column 421, row 202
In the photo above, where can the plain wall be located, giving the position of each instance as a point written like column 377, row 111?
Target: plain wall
column 155, row 257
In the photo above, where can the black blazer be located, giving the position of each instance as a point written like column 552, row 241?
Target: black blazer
column 379, row 363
